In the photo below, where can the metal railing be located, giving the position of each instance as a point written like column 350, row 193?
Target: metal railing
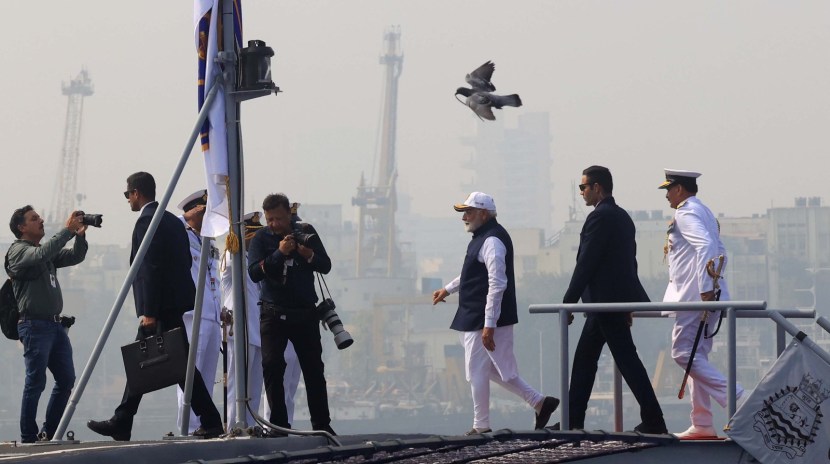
column 733, row 310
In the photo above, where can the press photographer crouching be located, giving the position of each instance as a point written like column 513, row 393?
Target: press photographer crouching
column 284, row 256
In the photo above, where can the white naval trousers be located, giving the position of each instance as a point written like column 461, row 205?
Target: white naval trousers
column 254, row 393
column 289, row 383
column 705, row 381
column 207, row 359
column 498, row 365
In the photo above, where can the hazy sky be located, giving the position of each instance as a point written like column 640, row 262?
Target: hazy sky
column 738, row 90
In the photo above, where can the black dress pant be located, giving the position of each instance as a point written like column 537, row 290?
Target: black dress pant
column 302, row 327
column 201, row 401
column 613, row 329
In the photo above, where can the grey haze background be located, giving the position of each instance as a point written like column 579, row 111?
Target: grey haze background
column 737, row 90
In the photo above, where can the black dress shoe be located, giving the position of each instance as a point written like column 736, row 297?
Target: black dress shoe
column 109, row 428
column 209, row 432
column 549, row 405
column 654, row 429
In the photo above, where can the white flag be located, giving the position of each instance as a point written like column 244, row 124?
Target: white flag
column 214, row 135
column 782, row 420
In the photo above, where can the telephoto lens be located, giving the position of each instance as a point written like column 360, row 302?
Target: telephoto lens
column 325, row 311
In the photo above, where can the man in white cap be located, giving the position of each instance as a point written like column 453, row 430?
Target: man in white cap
column 210, row 332
column 692, row 243
column 487, row 312
column 254, row 360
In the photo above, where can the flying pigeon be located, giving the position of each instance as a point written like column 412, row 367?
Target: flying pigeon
column 479, row 98
column 480, row 78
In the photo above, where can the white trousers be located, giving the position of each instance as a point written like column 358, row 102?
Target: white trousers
column 705, row 381
column 289, row 383
column 254, row 393
column 207, row 358
column 498, row 365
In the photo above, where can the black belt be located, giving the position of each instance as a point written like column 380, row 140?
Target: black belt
column 53, row 318
column 269, row 307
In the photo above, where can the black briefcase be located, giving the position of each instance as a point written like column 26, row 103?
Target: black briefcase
column 156, row 362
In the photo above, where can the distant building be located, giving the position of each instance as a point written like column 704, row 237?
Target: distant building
column 798, row 250
column 513, row 165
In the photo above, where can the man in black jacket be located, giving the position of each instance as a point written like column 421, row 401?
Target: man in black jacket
column 606, row 272
column 284, row 256
column 163, row 291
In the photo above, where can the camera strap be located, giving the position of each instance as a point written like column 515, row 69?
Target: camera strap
column 321, row 282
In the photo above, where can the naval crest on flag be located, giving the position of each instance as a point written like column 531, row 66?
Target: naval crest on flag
column 782, row 420
column 789, row 418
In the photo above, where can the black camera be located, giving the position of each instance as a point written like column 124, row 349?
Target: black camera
column 301, row 237
column 67, row 321
column 93, row 220
column 326, row 313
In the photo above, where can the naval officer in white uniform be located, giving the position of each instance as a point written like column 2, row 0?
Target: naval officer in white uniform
column 692, row 240
column 210, row 331
column 254, row 361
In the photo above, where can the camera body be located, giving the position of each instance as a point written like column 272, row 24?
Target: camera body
column 67, row 321
column 325, row 312
column 301, row 237
column 93, row 220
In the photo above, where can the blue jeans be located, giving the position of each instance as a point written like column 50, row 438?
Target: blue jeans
column 45, row 345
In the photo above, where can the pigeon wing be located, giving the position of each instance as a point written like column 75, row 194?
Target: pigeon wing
column 481, row 105
column 480, row 78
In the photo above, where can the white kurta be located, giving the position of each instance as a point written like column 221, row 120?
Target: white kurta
column 210, row 332
column 694, row 239
column 255, row 380
column 498, row 365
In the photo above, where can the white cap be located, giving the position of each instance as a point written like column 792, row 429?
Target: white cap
column 251, row 220
column 199, row 197
column 477, row 200
column 678, row 175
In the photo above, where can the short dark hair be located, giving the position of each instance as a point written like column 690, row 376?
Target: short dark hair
column 276, row 200
column 600, row 175
column 18, row 219
column 688, row 183
column 144, row 183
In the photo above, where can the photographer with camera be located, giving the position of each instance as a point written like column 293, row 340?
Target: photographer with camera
column 284, row 256
column 32, row 266
column 252, row 360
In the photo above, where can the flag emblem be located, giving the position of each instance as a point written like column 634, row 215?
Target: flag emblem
column 789, row 419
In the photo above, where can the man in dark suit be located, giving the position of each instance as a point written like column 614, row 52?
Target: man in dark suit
column 606, row 272
column 163, row 291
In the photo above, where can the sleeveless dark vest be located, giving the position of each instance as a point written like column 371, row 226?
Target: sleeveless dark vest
column 474, row 283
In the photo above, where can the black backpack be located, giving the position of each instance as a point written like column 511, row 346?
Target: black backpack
column 9, row 312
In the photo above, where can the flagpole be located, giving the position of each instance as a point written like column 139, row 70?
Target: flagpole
column 137, row 260
column 190, row 375
column 235, row 202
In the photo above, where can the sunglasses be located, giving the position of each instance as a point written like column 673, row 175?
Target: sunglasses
column 582, row 187
column 127, row 193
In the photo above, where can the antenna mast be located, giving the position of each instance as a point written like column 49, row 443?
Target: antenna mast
column 377, row 252
column 65, row 196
